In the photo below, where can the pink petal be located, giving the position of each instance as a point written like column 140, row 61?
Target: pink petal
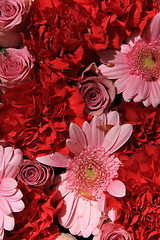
column 86, row 232
column 101, row 203
column 121, row 83
column 144, row 89
column 125, row 48
column 82, row 204
column 75, row 229
column 55, row 160
column 111, row 137
column 113, row 118
column 4, row 206
column 77, row 134
column 67, row 209
column 117, row 71
column 155, row 94
column 1, row 219
column 147, row 101
column 117, row 189
column 86, row 215
column 8, row 153
column 87, row 130
column 131, row 87
column 8, row 184
column 112, row 214
column 95, row 217
column 73, row 146
column 13, row 164
column 15, row 197
column 154, row 28
column 97, row 134
column 17, row 206
column 124, row 135
column 9, row 222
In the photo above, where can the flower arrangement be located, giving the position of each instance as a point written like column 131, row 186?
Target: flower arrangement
column 79, row 119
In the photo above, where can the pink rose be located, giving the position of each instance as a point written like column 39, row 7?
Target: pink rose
column 16, row 66
column 109, row 231
column 35, row 174
column 97, row 91
column 12, row 21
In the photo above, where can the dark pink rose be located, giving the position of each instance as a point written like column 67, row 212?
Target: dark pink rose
column 35, row 174
column 12, row 21
column 109, row 231
column 16, row 66
column 97, row 91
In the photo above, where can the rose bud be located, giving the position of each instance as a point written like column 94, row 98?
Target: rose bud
column 97, row 91
column 12, row 21
column 16, row 66
column 64, row 236
column 35, row 174
column 109, row 231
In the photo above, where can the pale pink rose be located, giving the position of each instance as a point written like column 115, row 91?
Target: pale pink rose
column 97, row 91
column 110, row 231
column 16, row 66
column 35, row 174
column 64, row 236
column 12, row 21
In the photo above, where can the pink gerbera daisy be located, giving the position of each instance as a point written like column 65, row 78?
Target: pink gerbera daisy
column 10, row 195
column 136, row 67
column 91, row 170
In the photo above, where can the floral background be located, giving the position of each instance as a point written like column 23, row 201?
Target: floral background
column 79, row 119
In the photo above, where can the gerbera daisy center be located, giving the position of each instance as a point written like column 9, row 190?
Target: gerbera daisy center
column 144, row 60
column 91, row 171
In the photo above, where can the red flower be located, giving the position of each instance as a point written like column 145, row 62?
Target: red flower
column 119, row 17
column 62, row 34
column 36, row 221
column 36, row 119
column 139, row 210
column 146, row 124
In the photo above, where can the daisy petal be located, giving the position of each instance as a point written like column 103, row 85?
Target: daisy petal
column 4, row 206
column 55, row 160
column 73, row 146
column 154, row 28
column 8, row 222
column 121, row 83
column 17, row 206
column 77, row 134
column 117, row 189
column 87, row 130
column 132, row 87
column 114, row 72
column 113, row 118
column 124, row 135
column 97, row 134
column 8, row 184
column 111, row 137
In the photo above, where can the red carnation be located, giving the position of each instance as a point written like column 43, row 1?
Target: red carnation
column 139, row 211
column 36, row 221
column 145, row 122
column 36, row 118
column 62, row 34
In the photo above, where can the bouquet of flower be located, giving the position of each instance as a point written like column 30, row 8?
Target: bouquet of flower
column 79, row 119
